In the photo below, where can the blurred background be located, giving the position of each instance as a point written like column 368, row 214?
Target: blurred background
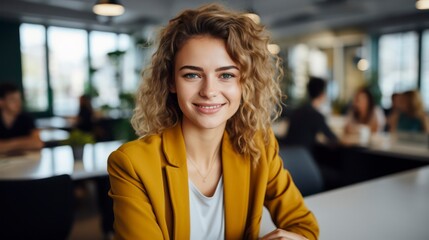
column 59, row 50
column 78, row 72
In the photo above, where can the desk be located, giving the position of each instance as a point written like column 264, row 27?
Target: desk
column 394, row 207
column 388, row 145
column 55, row 123
column 59, row 160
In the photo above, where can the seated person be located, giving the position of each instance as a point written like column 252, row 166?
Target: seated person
column 397, row 99
column 364, row 112
column 306, row 121
column 17, row 129
column 85, row 117
column 411, row 116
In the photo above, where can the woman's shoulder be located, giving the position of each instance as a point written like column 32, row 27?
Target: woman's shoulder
column 137, row 149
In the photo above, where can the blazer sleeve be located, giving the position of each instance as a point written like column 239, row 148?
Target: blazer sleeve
column 134, row 216
column 283, row 199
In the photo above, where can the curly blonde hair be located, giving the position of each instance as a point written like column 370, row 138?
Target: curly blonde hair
column 157, row 108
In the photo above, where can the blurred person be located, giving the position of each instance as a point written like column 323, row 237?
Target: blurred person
column 207, row 160
column 85, row 117
column 17, row 129
column 397, row 103
column 364, row 113
column 307, row 121
column 411, row 116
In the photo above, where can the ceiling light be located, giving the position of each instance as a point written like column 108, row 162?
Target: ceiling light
column 108, row 8
column 363, row 64
column 422, row 4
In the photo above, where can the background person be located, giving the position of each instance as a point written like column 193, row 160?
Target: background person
column 85, row 117
column 307, row 121
column 397, row 104
column 364, row 112
column 207, row 161
column 17, row 129
column 411, row 116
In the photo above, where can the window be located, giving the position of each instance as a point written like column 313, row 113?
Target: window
column 305, row 61
column 130, row 74
column 34, row 67
column 112, row 60
column 105, row 79
column 398, row 64
column 112, row 70
column 68, row 68
column 424, row 88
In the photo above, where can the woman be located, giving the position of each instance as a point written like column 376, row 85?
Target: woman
column 411, row 115
column 207, row 161
column 364, row 113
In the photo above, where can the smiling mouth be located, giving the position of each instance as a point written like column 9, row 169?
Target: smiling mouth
column 209, row 106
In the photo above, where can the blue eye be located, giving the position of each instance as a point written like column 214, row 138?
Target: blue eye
column 191, row 75
column 226, row 75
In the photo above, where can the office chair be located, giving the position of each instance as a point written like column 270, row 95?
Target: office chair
column 36, row 208
column 304, row 170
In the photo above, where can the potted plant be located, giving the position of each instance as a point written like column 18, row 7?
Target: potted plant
column 77, row 140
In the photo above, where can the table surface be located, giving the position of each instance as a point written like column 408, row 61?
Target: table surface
column 380, row 143
column 394, row 207
column 58, row 160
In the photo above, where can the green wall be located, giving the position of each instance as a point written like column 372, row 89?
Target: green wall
column 10, row 53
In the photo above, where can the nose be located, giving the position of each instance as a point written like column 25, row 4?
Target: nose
column 208, row 88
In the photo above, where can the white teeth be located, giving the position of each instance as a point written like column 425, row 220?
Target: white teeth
column 210, row 107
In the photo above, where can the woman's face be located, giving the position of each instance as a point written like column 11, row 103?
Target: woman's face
column 361, row 103
column 207, row 83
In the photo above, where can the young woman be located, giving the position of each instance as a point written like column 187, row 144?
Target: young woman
column 411, row 116
column 365, row 112
column 207, row 161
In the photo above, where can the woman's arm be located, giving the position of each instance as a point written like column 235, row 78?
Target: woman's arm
column 284, row 201
column 30, row 142
column 134, row 216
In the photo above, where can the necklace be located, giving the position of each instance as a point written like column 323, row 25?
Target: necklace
column 198, row 170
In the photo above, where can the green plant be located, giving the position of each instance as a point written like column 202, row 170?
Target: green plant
column 79, row 138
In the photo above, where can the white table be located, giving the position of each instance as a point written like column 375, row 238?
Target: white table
column 394, row 207
column 59, row 160
column 389, row 145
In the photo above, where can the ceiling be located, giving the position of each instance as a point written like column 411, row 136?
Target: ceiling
column 284, row 18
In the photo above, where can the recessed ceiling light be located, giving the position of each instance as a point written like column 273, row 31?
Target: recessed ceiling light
column 108, row 8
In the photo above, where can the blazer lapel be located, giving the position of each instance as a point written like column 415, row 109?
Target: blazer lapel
column 177, row 177
column 236, row 171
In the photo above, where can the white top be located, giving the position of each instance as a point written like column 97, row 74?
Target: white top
column 378, row 115
column 207, row 213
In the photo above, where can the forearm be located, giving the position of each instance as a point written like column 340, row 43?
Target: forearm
column 22, row 143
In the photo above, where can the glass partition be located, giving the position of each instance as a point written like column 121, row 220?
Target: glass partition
column 33, row 56
column 68, row 68
column 398, row 64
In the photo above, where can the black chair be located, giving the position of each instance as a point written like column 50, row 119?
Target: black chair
column 304, row 170
column 37, row 208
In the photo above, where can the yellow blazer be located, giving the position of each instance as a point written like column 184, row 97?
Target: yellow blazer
column 149, row 187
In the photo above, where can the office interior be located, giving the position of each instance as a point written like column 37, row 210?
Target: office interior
column 58, row 51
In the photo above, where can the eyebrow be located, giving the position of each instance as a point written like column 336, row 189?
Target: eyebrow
column 201, row 69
